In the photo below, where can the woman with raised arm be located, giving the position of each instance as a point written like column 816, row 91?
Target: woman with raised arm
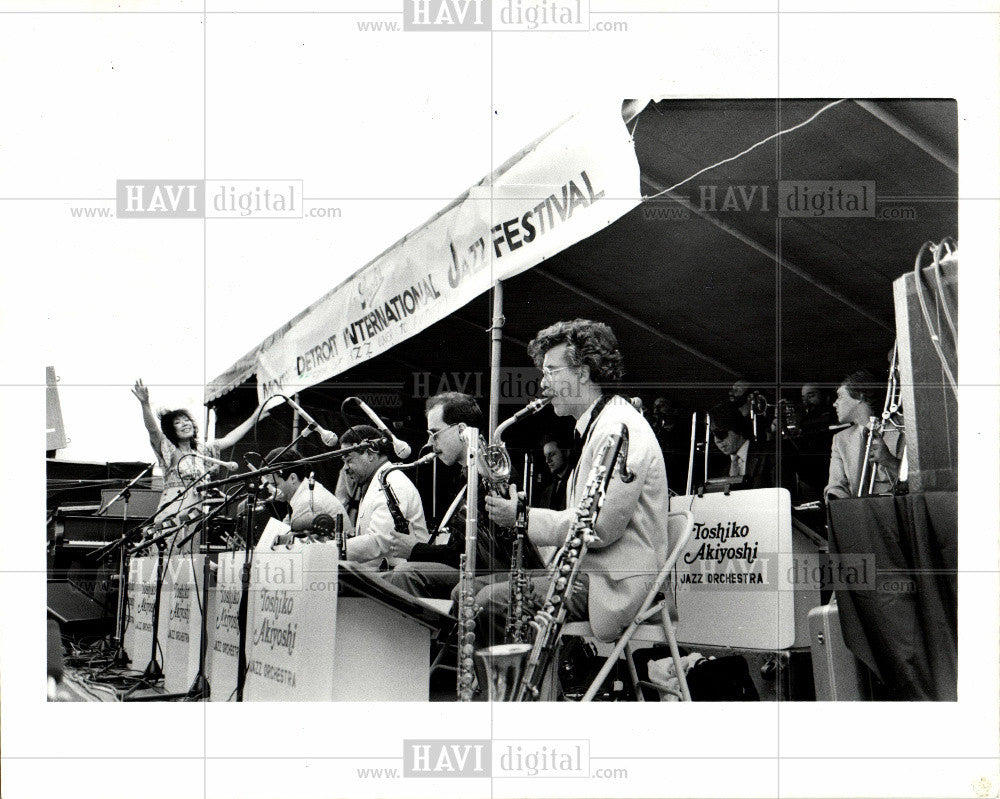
column 174, row 439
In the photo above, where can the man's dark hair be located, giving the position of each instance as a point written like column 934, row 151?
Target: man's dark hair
column 590, row 343
column 457, row 408
column 300, row 470
column 167, row 420
column 726, row 416
column 559, row 441
column 365, row 432
column 863, row 385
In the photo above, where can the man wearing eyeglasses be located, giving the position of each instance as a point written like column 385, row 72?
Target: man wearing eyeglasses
column 581, row 363
column 431, row 569
column 753, row 467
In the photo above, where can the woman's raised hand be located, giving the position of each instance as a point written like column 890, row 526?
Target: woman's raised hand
column 141, row 392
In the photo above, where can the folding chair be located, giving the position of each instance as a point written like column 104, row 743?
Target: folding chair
column 679, row 526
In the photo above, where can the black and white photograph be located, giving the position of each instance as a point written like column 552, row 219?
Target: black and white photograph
column 403, row 365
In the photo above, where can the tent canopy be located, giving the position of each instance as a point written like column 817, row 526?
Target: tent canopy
column 712, row 281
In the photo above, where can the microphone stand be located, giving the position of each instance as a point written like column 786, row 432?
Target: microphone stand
column 253, row 486
column 242, row 616
column 200, row 688
column 120, row 656
column 154, row 671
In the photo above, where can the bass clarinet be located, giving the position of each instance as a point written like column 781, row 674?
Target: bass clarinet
column 548, row 621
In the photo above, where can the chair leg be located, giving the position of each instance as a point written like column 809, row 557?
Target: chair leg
column 438, row 664
column 610, row 662
column 548, row 691
column 668, row 630
column 632, row 674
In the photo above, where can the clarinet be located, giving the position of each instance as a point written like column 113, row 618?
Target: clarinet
column 548, row 621
column 516, row 630
column 467, row 572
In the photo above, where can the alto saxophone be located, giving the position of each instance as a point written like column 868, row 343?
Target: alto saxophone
column 467, row 609
column 548, row 621
column 391, row 500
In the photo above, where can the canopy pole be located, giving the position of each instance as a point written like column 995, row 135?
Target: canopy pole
column 496, row 340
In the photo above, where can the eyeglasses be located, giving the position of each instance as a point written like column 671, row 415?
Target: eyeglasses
column 548, row 371
column 433, row 434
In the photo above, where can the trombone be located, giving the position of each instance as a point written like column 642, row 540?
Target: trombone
column 877, row 425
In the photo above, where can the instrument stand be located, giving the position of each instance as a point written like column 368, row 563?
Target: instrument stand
column 120, row 657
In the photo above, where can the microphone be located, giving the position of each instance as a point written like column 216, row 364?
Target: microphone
column 231, row 465
column 328, row 437
column 401, row 448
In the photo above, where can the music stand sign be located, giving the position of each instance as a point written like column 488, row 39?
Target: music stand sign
column 735, row 579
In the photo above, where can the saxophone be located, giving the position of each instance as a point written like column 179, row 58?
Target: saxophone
column 467, row 609
column 548, row 622
column 492, row 460
column 391, row 500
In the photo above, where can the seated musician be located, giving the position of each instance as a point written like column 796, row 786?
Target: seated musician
column 431, row 569
column 580, row 363
column 376, row 523
column 805, row 432
column 747, row 459
column 307, row 497
column 558, row 461
column 857, row 395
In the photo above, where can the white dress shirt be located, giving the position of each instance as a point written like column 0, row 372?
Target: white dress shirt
column 375, row 525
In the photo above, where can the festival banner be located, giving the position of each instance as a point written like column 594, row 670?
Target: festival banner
column 566, row 186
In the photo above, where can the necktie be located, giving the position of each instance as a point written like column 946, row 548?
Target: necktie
column 734, row 468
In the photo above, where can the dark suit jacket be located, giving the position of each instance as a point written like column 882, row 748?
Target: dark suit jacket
column 554, row 495
column 760, row 471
